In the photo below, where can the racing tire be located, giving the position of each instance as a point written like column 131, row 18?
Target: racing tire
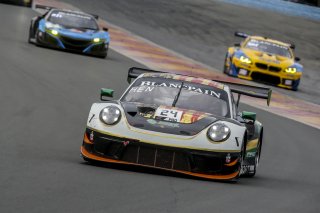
column 227, row 70
column 242, row 158
column 88, row 160
column 30, row 35
column 225, row 66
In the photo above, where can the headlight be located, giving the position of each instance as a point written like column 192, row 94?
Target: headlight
column 96, row 40
column 218, row 132
column 54, row 32
column 245, row 59
column 291, row 70
column 110, row 115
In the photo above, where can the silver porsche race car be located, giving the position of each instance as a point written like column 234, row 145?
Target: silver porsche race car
column 179, row 123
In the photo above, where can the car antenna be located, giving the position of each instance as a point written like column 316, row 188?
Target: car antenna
column 177, row 96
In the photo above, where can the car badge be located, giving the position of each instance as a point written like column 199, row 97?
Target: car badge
column 126, row 143
column 91, row 136
column 228, row 158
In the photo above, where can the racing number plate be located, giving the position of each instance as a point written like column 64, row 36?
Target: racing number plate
column 168, row 114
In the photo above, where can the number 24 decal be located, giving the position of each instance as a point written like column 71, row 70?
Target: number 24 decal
column 167, row 113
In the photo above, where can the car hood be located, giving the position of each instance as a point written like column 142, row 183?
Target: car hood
column 145, row 117
column 80, row 33
column 263, row 57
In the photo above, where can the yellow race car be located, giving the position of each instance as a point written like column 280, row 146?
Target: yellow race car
column 265, row 60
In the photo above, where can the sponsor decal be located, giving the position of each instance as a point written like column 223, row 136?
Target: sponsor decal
column 172, row 115
column 62, row 14
column 250, row 154
column 256, row 43
column 163, row 124
column 148, row 86
column 245, row 169
column 187, row 79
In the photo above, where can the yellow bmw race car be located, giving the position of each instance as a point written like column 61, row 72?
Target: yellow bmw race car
column 265, row 60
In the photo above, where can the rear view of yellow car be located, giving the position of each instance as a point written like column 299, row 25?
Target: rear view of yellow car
column 265, row 60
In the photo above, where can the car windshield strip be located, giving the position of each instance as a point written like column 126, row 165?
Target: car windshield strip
column 268, row 47
column 73, row 20
column 193, row 96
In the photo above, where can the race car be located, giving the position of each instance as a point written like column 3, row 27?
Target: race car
column 69, row 30
column 265, row 60
column 178, row 123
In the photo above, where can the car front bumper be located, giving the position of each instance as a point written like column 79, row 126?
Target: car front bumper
column 203, row 164
column 72, row 44
column 273, row 75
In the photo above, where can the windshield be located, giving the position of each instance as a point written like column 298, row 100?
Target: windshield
column 73, row 20
column 268, row 47
column 193, row 96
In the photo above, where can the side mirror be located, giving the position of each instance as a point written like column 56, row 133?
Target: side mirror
column 106, row 93
column 237, row 45
column 105, row 29
column 249, row 115
column 297, row 59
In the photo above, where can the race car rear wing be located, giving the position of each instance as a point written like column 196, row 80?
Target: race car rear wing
column 44, row 7
column 240, row 34
column 248, row 90
column 134, row 72
column 244, row 35
column 240, row 89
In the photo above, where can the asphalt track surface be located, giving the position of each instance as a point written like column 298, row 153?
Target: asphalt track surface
column 44, row 101
column 204, row 29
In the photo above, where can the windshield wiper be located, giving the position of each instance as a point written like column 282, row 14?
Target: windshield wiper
column 177, row 96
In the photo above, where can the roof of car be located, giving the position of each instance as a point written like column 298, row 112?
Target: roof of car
column 270, row 40
column 73, row 11
column 186, row 78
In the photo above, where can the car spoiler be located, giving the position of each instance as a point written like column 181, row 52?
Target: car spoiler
column 248, row 90
column 44, row 7
column 240, row 89
column 240, row 34
column 244, row 35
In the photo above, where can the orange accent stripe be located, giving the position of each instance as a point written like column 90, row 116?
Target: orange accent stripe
column 85, row 153
column 232, row 163
column 86, row 139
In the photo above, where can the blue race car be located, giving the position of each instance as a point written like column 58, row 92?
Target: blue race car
column 69, row 30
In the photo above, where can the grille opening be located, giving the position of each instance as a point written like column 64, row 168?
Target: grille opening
column 269, row 79
column 262, row 66
column 274, row 69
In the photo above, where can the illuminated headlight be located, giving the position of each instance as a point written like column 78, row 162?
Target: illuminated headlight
column 54, row 32
column 245, row 60
column 218, row 132
column 96, row 40
column 110, row 115
column 291, row 70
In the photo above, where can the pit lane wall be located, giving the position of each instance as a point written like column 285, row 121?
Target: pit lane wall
column 160, row 58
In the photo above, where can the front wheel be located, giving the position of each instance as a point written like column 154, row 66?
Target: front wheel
column 30, row 35
column 227, row 66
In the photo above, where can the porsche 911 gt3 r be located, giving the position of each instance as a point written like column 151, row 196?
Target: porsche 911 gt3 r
column 179, row 123
column 69, row 30
column 265, row 60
